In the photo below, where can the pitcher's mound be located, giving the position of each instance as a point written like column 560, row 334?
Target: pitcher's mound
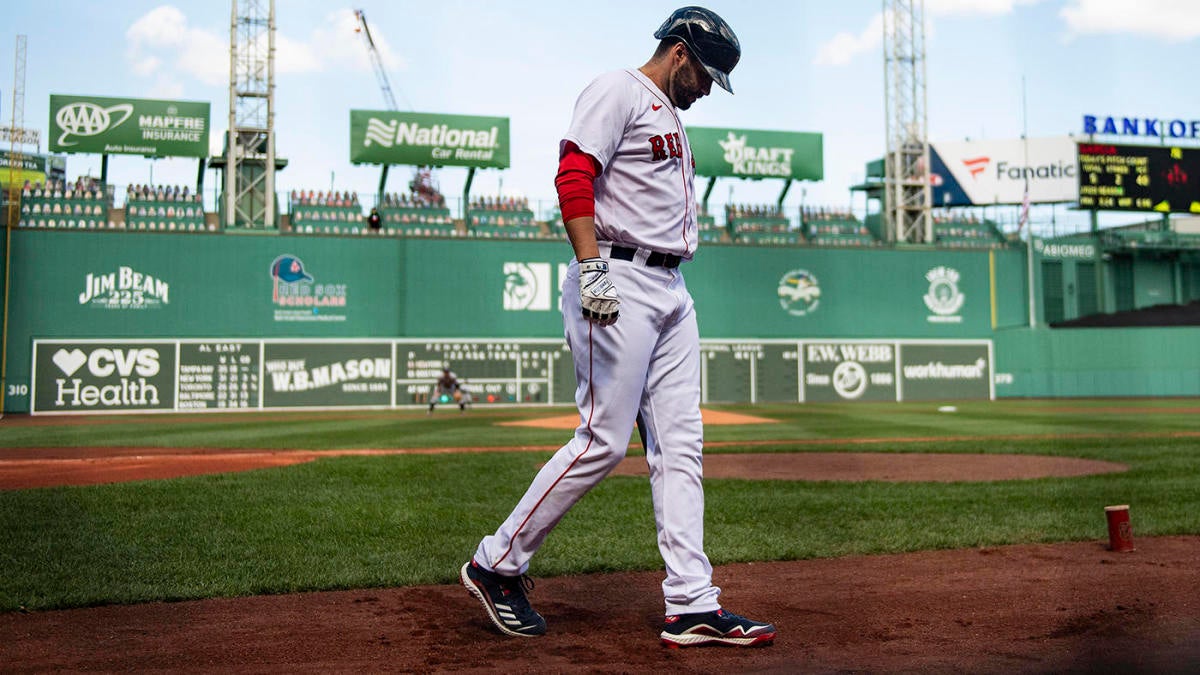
column 710, row 417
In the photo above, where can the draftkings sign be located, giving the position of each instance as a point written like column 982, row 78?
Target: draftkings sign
column 128, row 126
column 753, row 153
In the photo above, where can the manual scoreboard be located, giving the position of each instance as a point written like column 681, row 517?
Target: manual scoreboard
column 1139, row 178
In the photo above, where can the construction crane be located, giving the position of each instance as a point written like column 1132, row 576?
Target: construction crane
column 422, row 182
column 376, row 61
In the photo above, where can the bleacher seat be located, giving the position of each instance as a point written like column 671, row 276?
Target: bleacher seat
column 967, row 234
column 416, row 216
column 164, row 210
column 321, row 213
column 706, row 223
column 761, row 225
column 834, row 227
column 502, row 218
column 57, row 205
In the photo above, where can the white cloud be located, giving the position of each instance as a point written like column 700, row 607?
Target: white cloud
column 342, row 46
column 146, row 66
column 163, row 36
column 1170, row 19
column 970, row 7
column 160, row 27
column 843, row 47
column 294, row 57
column 164, row 88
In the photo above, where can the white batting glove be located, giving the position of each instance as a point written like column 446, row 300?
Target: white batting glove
column 596, row 293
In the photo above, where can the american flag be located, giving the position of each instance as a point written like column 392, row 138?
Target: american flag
column 1024, row 210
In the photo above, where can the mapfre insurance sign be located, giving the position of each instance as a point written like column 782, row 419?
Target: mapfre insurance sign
column 977, row 173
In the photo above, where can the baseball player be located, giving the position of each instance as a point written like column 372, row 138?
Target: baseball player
column 625, row 185
column 448, row 385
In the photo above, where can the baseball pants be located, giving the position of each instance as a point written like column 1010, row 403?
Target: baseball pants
column 646, row 368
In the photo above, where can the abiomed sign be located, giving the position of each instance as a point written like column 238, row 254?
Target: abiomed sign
column 752, row 153
column 428, row 139
column 128, row 126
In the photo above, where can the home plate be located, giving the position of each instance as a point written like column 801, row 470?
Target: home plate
column 710, row 417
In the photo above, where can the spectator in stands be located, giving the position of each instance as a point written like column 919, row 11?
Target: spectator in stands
column 374, row 221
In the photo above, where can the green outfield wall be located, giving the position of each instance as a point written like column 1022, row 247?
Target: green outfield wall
column 70, row 285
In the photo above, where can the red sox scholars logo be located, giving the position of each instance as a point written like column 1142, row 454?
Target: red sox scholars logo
column 665, row 145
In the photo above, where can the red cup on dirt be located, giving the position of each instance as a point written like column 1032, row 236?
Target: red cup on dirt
column 1120, row 531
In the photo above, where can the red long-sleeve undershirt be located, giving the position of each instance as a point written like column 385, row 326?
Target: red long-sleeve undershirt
column 576, row 172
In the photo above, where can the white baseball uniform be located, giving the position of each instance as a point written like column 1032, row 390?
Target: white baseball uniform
column 646, row 366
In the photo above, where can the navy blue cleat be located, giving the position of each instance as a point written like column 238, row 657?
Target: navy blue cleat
column 503, row 598
column 715, row 628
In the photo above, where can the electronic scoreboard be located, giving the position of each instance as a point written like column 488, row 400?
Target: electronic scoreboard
column 1139, row 178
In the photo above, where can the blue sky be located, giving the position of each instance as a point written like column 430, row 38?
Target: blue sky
column 807, row 65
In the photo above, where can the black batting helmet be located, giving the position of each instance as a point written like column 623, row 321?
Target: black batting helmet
column 710, row 39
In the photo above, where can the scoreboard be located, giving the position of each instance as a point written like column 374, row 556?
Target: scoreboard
column 1139, row 178
column 115, row 375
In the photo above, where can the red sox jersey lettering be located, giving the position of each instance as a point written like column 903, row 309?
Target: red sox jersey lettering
column 648, row 202
column 660, row 145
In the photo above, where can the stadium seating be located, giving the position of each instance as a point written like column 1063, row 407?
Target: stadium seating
column 321, row 213
column 416, row 216
column 1150, row 239
column 762, row 225
column 710, row 232
column 164, row 209
column 833, row 227
column 502, row 218
column 966, row 232
column 82, row 205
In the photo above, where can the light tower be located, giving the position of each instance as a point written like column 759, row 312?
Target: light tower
column 250, row 146
column 18, row 136
column 906, row 188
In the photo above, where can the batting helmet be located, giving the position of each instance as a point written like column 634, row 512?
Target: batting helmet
column 709, row 38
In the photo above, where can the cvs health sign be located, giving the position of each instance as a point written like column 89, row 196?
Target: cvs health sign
column 85, row 376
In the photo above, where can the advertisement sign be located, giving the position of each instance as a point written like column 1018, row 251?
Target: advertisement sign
column 937, row 372
column 327, row 374
column 1065, row 249
column 428, row 139
column 128, row 126
column 978, row 173
column 753, row 153
column 88, row 376
column 32, row 168
column 300, row 294
column 849, row 371
column 1152, row 127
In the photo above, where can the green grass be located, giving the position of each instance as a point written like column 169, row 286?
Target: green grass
column 353, row 522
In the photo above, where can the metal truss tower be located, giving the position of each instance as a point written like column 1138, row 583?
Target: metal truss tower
column 15, row 169
column 250, row 147
column 16, row 133
column 907, row 192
